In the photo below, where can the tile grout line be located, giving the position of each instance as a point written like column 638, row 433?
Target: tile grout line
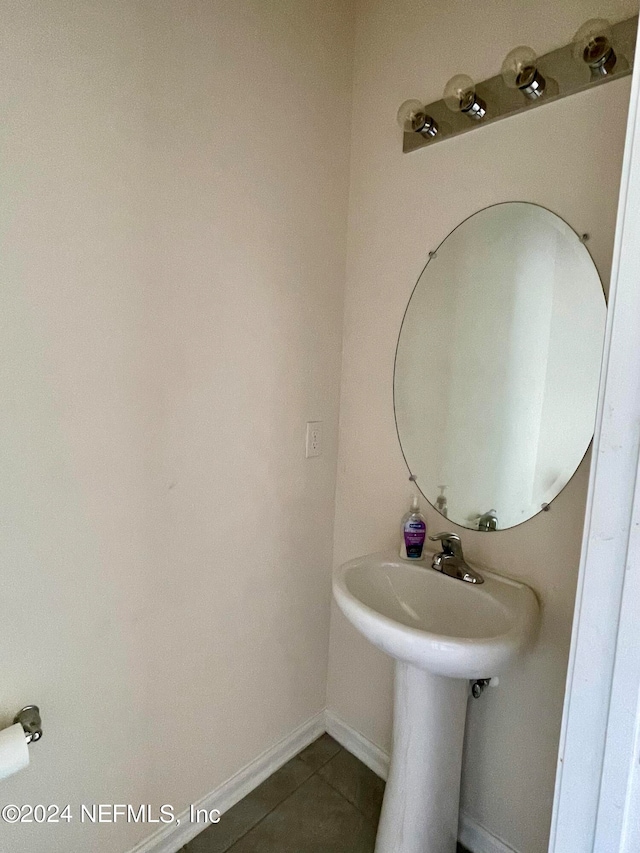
column 346, row 799
column 266, row 815
column 316, row 772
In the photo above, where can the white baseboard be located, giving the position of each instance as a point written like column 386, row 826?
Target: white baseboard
column 172, row 837
column 474, row 836
column 375, row 758
column 478, row 839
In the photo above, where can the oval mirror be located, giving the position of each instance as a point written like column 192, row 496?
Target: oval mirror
column 497, row 366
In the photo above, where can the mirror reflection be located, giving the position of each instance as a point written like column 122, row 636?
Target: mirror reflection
column 497, row 366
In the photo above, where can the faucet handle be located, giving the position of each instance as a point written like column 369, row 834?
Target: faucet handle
column 451, row 543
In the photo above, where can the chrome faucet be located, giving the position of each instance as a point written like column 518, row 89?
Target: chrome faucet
column 450, row 561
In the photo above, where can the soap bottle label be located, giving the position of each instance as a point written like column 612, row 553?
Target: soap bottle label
column 415, row 531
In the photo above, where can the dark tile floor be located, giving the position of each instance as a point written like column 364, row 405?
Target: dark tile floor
column 322, row 801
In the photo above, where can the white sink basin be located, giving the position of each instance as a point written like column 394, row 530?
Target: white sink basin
column 438, row 623
column 442, row 633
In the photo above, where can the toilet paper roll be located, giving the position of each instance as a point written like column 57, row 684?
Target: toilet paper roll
column 14, row 751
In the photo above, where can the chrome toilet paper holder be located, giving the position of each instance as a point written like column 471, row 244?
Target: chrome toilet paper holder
column 29, row 719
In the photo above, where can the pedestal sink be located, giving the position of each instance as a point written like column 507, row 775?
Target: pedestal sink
column 442, row 632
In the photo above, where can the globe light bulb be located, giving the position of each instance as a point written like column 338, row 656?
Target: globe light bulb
column 460, row 97
column 410, row 115
column 459, row 93
column 520, row 71
column 519, row 67
column 413, row 119
column 593, row 45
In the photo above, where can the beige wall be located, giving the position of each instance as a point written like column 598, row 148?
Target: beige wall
column 566, row 157
column 174, row 201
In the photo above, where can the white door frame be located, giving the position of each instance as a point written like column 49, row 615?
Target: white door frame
column 597, row 779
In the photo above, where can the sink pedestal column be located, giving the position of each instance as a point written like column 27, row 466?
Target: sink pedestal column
column 422, row 797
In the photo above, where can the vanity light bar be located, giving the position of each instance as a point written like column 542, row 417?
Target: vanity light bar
column 598, row 52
